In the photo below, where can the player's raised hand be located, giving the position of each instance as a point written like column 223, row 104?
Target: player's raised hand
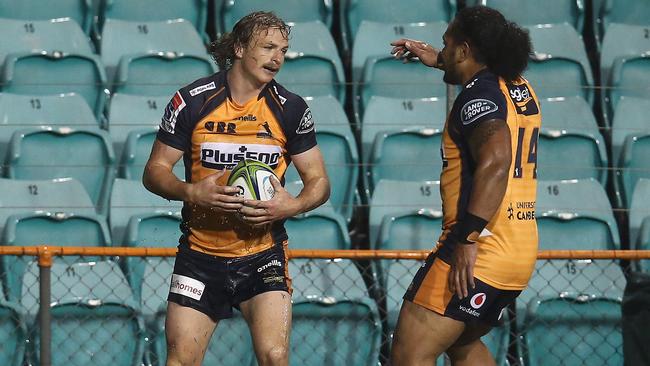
column 410, row 50
column 209, row 193
column 281, row 206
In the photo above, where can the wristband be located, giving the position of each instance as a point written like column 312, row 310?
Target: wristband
column 469, row 228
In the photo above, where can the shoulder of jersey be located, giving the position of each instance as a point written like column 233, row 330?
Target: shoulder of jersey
column 204, row 87
column 285, row 97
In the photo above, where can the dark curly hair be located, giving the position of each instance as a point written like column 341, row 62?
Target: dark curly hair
column 222, row 50
column 502, row 46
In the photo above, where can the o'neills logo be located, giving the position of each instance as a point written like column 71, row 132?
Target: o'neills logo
column 273, row 263
column 187, row 286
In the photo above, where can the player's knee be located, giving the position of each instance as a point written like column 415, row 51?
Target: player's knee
column 177, row 358
column 275, row 356
column 459, row 353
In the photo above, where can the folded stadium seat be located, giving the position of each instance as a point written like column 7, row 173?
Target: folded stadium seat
column 572, row 214
column 127, row 113
column 559, row 66
column 312, row 66
column 12, row 333
column 629, row 120
column 78, row 10
column 83, row 154
column 621, row 41
column 136, row 153
column 581, row 330
column 386, row 120
column 634, row 164
column 130, row 198
column 631, row 12
column 354, row 12
column 52, row 229
column 528, row 12
column 570, row 129
column 335, row 332
column 376, row 72
column 161, row 73
column 194, row 11
column 639, row 211
column 52, row 72
column 338, row 146
column 330, row 298
column 20, row 111
column 630, row 76
column 122, row 38
column 330, row 226
column 292, row 11
column 63, row 35
column 95, row 319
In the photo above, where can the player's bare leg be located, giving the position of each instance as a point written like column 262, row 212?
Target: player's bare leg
column 188, row 334
column 269, row 318
column 469, row 350
column 422, row 336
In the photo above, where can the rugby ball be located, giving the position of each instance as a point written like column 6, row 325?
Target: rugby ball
column 253, row 178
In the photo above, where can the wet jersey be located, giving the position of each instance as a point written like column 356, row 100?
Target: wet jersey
column 215, row 133
column 507, row 247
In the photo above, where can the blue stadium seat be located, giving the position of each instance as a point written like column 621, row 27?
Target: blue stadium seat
column 630, row 76
column 63, row 35
column 292, row 11
column 122, row 38
column 130, row 198
column 48, row 228
column 639, row 210
column 380, row 74
column 624, row 12
column 20, row 111
column 354, row 12
column 529, row 12
column 160, row 74
column 43, row 72
column 559, row 66
column 132, row 112
column 574, row 331
column 312, row 66
column 629, row 120
column 12, row 333
column 94, row 316
column 83, row 154
column 634, row 164
column 136, row 153
column 574, row 214
column 194, row 11
column 78, row 10
column 643, row 243
column 330, row 226
column 326, row 280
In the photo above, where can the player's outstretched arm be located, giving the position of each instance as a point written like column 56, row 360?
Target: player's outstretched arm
column 159, row 178
column 315, row 192
column 409, row 49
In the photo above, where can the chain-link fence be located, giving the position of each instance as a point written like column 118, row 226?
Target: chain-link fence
column 109, row 310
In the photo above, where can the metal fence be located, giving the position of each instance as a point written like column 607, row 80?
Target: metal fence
column 106, row 306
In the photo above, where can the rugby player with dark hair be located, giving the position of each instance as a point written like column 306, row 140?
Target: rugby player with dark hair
column 232, row 252
column 487, row 250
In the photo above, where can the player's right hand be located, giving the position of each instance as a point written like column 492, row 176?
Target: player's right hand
column 210, row 194
column 409, row 50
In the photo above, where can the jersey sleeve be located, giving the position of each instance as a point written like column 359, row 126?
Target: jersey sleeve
column 176, row 124
column 299, row 127
column 479, row 104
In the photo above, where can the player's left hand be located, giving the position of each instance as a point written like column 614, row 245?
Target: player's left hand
column 260, row 213
column 461, row 276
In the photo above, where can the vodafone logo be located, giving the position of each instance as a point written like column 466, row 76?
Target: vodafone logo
column 478, row 300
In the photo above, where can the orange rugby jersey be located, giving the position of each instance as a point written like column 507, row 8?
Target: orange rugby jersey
column 507, row 248
column 215, row 133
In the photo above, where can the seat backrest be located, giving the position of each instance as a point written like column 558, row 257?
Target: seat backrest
column 398, row 197
column 312, row 66
column 78, row 10
column 194, row 11
column 63, row 35
column 20, row 111
column 556, row 143
column 83, row 154
column 528, row 12
column 130, row 198
column 634, row 164
column 160, row 74
column 630, row 77
column 131, row 112
column 387, row 11
column 330, row 226
column 291, row 11
column 625, row 12
column 12, row 334
column 121, row 37
column 629, row 119
column 622, row 40
column 345, row 332
column 136, row 154
column 569, row 211
column 46, row 73
column 326, row 280
column 639, row 210
column 574, row 331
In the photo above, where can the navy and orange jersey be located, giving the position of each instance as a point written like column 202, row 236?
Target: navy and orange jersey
column 507, row 247
column 215, row 133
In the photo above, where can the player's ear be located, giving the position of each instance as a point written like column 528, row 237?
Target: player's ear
column 464, row 51
column 239, row 50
